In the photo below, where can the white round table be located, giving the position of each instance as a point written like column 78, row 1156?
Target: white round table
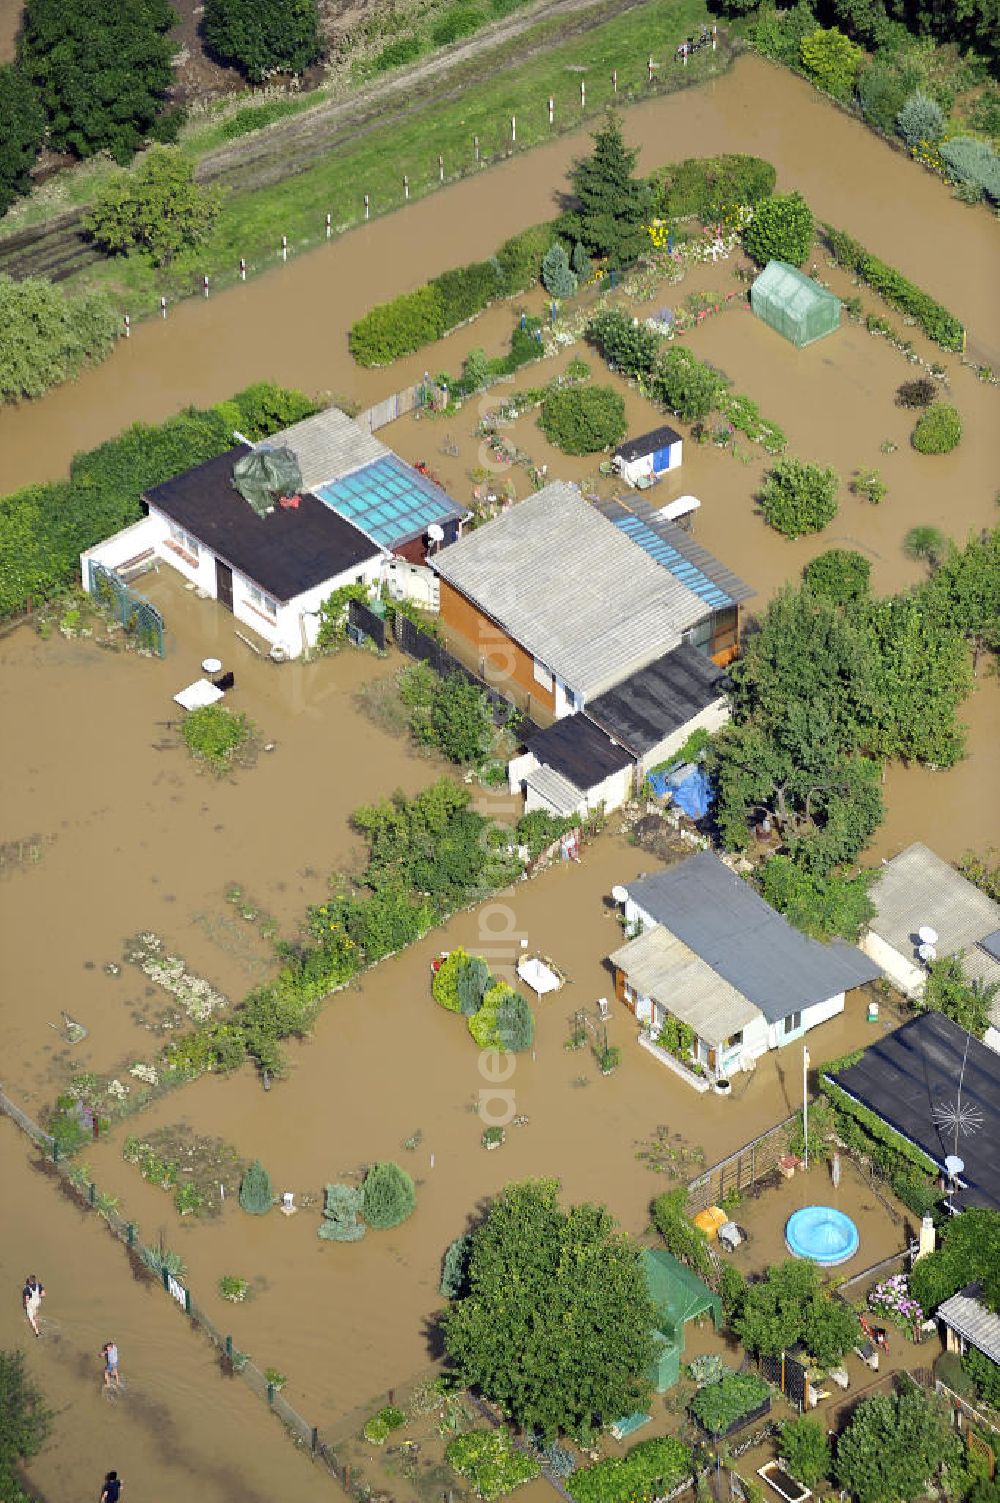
column 212, row 665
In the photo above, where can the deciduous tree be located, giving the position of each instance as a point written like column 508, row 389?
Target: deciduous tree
column 557, row 1325
column 966, row 1000
column 281, row 36
column 101, row 68
column 781, row 229
column 895, row 1446
column 22, row 121
column 157, row 208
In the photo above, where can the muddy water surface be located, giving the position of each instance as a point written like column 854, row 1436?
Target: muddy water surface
column 179, row 1430
column 290, row 325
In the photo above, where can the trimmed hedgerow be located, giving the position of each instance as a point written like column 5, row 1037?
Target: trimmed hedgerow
column 398, row 328
column 647, row 1471
column 941, row 326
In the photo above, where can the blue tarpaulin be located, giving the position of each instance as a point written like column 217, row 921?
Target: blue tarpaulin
column 690, row 787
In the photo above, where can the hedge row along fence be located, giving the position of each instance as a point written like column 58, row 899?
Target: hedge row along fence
column 415, row 319
column 937, row 323
column 45, row 528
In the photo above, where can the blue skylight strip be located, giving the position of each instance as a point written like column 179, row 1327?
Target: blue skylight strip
column 388, row 500
column 668, row 557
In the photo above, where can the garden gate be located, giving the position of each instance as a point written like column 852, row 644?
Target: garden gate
column 134, row 611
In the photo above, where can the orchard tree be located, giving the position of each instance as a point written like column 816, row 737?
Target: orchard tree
column 157, row 208
column 613, row 204
column 895, row 1447
column 102, row 69
column 281, row 36
column 772, row 1315
column 583, row 419
column 685, row 384
column 839, row 574
column 969, row 1253
column 557, row 1325
column 923, row 676
column 805, row 1448
column 797, row 498
column 781, row 229
column 22, row 122
column 825, row 907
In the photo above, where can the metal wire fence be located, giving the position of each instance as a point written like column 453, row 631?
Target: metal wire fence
column 265, row 1385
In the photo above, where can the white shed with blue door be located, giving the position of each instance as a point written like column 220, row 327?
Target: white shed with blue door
column 642, row 460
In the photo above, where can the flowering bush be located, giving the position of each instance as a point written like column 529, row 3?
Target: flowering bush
column 892, row 1300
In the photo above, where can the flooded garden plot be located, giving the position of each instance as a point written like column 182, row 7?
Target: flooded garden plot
column 390, row 1075
column 122, row 836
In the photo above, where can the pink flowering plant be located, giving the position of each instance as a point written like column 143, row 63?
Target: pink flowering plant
column 892, row 1300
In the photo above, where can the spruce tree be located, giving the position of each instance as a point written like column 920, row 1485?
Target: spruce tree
column 614, row 205
column 256, row 1195
column 388, row 1195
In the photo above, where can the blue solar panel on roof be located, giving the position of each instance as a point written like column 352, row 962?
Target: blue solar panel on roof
column 680, row 567
column 388, row 500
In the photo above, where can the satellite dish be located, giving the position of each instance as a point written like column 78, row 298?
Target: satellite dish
column 927, row 952
column 619, row 894
column 953, row 1166
column 435, row 532
column 927, row 935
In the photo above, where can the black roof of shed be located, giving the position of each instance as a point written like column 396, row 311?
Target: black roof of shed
column 643, row 709
column 579, row 751
column 284, row 553
column 646, row 443
column 914, row 1070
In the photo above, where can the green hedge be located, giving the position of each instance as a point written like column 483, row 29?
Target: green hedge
column 647, row 1471
column 708, row 186
column 717, row 1406
column 45, row 528
column 940, row 325
column 873, row 1125
column 414, row 319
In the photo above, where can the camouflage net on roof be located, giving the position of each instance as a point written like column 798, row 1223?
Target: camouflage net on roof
column 264, row 475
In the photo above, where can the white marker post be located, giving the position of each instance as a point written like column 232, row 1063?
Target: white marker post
column 128, row 326
column 284, row 247
column 440, row 169
column 583, row 93
column 614, row 80
column 475, row 146
column 513, row 128
column 406, row 186
column 243, row 268
column 366, row 206
column 163, row 307
column 552, row 110
column 204, row 284
column 329, row 225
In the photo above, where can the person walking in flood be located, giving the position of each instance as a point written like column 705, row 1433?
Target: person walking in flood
column 32, row 1295
column 109, row 1351
column 112, row 1488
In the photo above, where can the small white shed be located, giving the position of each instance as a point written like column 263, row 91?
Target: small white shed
column 644, row 459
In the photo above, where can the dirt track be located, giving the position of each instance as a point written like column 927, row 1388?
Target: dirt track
column 59, row 248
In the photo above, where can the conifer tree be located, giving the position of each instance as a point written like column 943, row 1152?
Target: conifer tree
column 614, row 205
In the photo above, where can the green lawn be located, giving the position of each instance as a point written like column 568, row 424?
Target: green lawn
column 251, row 224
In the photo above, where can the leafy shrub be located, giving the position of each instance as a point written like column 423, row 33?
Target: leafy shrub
column 688, row 386
column 381, row 1425
column 234, row 1290
column 520, row 258
column 283, row 37
column 256, row 1194
column 732, row 1291
column 883, row 89
column 649, row 1470
column 781, row 229
column 188, row 1200
column 938, row 431
column 465, row 291
column 709, row 186
column 460, row 21
column 341, row 1209
column 444, row 983
column 920, row 393
column 869, row 483
column 455, row 1268
column 840, row 574
column 404, row 49
column 682, row 1238
column 583, row 419
column 825, row 907
column 720, row 1405
column 557, row 278
column 460, row 719
column 582, row 265
column 490, row 1462
column 797, row 498
column 920, row 119
column 47, row 336
column 398, row 328
column 936, row 321
column 387, row 1195
column 806, row 1450
column 985, row 1374
column 215, row 735
column 473, row 982
column 65, row 1125
column 779, row 34
column 831, row 61
column 973, row 163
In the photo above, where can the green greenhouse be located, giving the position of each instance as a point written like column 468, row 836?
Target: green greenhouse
column 679, row 1296
column 794, row 304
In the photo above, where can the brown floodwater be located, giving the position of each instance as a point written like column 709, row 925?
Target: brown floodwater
column 10, row 24
column 179, row 1429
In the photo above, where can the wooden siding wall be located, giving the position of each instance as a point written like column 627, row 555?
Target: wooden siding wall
column 491, row 653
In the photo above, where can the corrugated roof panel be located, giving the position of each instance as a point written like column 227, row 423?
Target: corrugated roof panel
column 668, row 556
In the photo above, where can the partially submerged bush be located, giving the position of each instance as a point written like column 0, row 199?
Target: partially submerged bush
column 341, row 1207
column 781, row 229
column 920, row 120
column 256, row 1194
column 218, row 737
column 839, row 574
column 455, row 1268
column 938, row 431
column 381, row 1425
column 798, row 498
column 387, row 1195
column 489, row 1460
column 444, row 983
column 583, row 419
column 920, row 393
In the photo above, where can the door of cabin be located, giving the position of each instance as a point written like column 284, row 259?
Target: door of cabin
column 224, row 584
